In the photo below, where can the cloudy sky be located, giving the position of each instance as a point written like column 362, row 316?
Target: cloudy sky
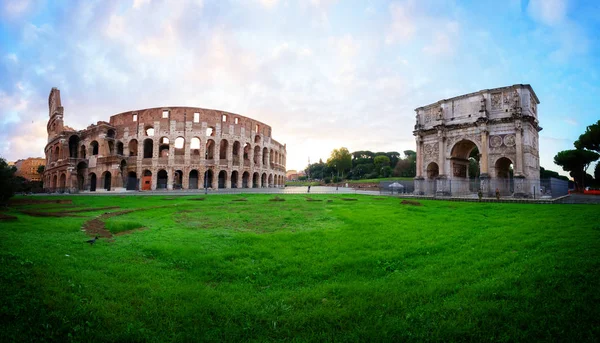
column 323, row 73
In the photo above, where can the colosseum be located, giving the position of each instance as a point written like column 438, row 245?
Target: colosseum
column 161, row 148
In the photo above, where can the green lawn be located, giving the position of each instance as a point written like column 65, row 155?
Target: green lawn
column 296, row 270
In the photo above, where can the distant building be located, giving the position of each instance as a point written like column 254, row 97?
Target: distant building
column 294, row 175
column 28, row 168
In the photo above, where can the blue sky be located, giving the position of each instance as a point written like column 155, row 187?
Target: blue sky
column 322, row 73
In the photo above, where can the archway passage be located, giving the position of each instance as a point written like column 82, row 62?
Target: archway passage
column 81, row 170
column 234, row 179
column 147, row 180
column 107, row 181
column 63, row 182
column 161, row 179
column 208, row 178
column 255, row 180
column 178, row 179
column 263, row 180
column 504, row 172
column 245, row 180
column 460, row 158
column 93, row 182
column 131, row 181
column 193, row 179
column 222, row 178
column 148, row 148
column 73, row 146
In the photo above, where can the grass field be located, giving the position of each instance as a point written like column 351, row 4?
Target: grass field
column 325, row 268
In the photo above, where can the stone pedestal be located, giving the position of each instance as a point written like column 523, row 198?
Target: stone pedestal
column 520, row 187
column 442, row 186
column 419, row 186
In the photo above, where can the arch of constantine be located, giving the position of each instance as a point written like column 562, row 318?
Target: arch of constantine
column 161, row 148
column 501, row 123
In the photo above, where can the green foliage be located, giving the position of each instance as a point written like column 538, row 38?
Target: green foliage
column 381, row 161
column 340, row 160
column 590, row 139
column 8, row 182
column 576, row 162
column 407, row 167
column 260, row 271
column 545, row 174
column 597, row 172
column 40, row 169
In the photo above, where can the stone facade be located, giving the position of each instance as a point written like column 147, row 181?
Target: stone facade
column 502, row 123
column 28, row 167
column 161, row 148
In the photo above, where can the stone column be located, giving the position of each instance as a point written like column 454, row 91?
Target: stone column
column 441, row 145
column 484, row 176
column 419, row 157
column 519, row 148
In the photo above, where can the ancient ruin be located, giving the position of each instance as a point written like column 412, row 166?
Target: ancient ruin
column 161, row 148
column 501, row 123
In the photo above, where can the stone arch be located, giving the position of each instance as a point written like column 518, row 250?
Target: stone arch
column 149, row 130
column 271, row 156
column 163, row 147
column 178, row 179
column 235, row 152
column 73, row 145
column 56, row 153
column 257, row 155
column 107, row 180
column 93, row 182
column 193, row 179
column 195, row 146
column 179, row 146
column 208, row 178
column 234, row 179
column 210, row 149
column 110, row 133
column 94, row 148
column 133, row 147
column 147, row 180
column 245, row 180
column 503, row 170
column 148, row 148
column 82, row 151
column 263, row 180
column 223, row 149
column 270, row 182
column 265, row 157
column 222, row 179
column 131, row 181
column 62, row 182
column 459, row 157
column 120, row 148
column 162, row 178
column 247, row 150
column 255, row 180
column 81, row 171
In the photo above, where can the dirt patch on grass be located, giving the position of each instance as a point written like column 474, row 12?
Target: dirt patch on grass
column 349, row 199
column 197, row 199
column 7, row 217
column 311, row 199
column 240, row 199
column 329, row 200
column 277, row 199
column 410, row 202
column 68, row 213
column 379, row 198
column 38, row 201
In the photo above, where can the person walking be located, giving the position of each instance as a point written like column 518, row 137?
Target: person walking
column 497, row 194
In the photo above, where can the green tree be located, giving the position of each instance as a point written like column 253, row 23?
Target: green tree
column 340, row 160
column 546, row 174
column 7, row 181
column 362, row 157
column 597, row 173
column 590, row 139
column 40, row 169
column 381, row 161
column 576, row 162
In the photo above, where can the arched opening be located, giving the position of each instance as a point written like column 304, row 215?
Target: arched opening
column 63, row 182
column 123, row 171
column 195, row 146
column 247, row 149
column 149, row 130
column 148, row 148
column 54, row 182
column 257, row 155
column 133, row 147
column 255, row 180
column 257, row 138
column 110, row 133
column 161, row 179
column 107, row 177
column 263, row 180
column 245, row 179
column 131, row 181
column 234, row 179
column 178, row 179
column 163, row 147
column 210, row 149
column 111, row 148
column 147, row 180
column 222, row 178
column 504, row 176
column 93, row 182
column 236, row 153
column 433, row 170
column 179, row 146
column 120, row 148
column 265, row 157
column 208, row 178
column 270, row 180
column 460, row 158
column 73, row 145
column 193, row 179
column 56, row 154
column 82, row 150
column 210, row 131
column 81, row 170
column 271, row 157
column 94, row 148
column 223, row 149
